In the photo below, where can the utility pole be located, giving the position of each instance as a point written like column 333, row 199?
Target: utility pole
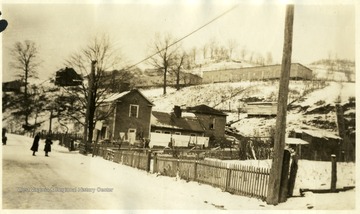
column 88, row 105
column 279, row 144
column 50, row 121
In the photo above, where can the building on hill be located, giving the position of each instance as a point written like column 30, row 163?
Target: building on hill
column 13, row 86
column 154, row 77
column 254, row 109
column 297, row 72
column 67, row 77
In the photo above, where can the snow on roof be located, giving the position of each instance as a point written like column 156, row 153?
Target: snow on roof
column 188, row 114
column 167, row 120
column 115, row 96
column 319, row 133
column 296, row 141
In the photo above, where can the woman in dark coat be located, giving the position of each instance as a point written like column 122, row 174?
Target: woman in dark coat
column 47, row 148
column 35, row 144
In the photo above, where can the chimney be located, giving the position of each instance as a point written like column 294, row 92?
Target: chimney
column 177, row 111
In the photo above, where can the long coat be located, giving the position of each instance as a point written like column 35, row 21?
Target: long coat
column 48, row 143
column 35, row 144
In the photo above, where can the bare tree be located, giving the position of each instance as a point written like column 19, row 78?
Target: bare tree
column 231, row 45
column 179, row 61
column 212, row 47
column 221, row 53
column 269, row 58
column 26, row 61
column 243, row 52
column 192, row 55
column 259, row 59
column 165, row 50
column 107, row 58
column 205, row 49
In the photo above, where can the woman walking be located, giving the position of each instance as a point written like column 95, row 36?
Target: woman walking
column 35, row 144
column 47, row 148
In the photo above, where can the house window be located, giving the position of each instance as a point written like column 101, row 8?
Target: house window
column 134, row 111
column 192, row 134
column 177, row 133
column 212, row 124
column 157, row 131
column 167, row 132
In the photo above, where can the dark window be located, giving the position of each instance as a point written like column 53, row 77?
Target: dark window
column 134, row 111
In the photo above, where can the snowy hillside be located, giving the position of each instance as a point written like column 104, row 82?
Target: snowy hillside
column 333, row 69
column 305, row 97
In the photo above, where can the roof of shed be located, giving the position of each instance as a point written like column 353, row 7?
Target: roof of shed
column 319, row 133
column 168, row 120
column 296, row 141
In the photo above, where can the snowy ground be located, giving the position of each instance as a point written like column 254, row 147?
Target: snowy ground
column 38, row 183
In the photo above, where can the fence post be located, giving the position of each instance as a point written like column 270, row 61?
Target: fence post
column 148, row 161
column 293, row 172
column 333, row 173
column 132, row 159
column 155, row 164
column 284, row 177
column 195, row 170
column 228, row 178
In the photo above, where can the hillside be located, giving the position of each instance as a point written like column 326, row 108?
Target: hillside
column 334, row 69
column 312, row 103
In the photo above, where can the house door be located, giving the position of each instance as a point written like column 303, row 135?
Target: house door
column 131, row 135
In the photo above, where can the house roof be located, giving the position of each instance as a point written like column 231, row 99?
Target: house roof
column 118, row 96
column 168, row 120
column 204, row 109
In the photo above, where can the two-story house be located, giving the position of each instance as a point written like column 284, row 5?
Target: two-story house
column 129, row 118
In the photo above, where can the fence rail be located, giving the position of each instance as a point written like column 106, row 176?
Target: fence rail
column 234, row 178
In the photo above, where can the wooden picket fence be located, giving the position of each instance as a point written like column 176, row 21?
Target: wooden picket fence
column 234, row 178
column 136, row 159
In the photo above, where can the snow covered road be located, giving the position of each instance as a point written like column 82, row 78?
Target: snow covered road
column 68, row 180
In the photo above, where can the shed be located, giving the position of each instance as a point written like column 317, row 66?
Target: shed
column 322, row 144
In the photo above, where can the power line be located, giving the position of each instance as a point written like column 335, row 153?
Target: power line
column 187, row 35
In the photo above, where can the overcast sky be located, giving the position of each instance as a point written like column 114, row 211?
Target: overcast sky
column 61, row 29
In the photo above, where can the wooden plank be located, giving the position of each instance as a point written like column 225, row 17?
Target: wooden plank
column 252, row 174
column 256, row 189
